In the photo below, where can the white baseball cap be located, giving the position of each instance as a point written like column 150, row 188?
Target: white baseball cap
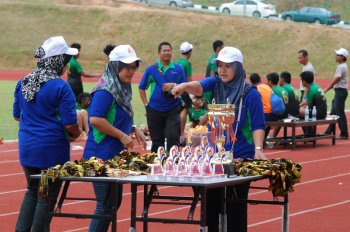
column 229, row 55
column 54, row 46
column 185, row 47
column 124, row 53
column 342, row 52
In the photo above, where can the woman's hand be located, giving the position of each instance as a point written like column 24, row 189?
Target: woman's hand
column 167, row 86
column 127, row 141
column 259, row 155
column 178, row 89
column 140, row 137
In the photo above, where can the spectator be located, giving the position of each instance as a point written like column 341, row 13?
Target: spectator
column 212, row 69
column 340, row 85
column 230, row 84
column 272, row 81
column 303, row 57
column 186, row 53
column 75, row 72
column 265, row 92
column 196, row 112
column 293, row 99
column 162, row 109
column 107, row 50
column 315, row 96
column 82, row 114
column 39, row 97
column 111, row 119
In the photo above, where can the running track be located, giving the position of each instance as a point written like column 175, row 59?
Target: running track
column 321, row 202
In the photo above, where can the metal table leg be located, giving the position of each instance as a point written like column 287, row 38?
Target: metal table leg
column 285, row 215
column 133, row 208
column 203, row 224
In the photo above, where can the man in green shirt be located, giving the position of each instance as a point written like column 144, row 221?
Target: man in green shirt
column 75, row 72
column 186, row 52
column 293, row 98
column 212, row 69
column 315, row 96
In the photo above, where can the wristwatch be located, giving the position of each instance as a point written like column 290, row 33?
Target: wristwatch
column 259, row 148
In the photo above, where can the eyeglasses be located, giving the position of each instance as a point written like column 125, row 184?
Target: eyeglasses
column 131, row 68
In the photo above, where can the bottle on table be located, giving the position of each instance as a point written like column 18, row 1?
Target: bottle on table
column 306, row 113
column 314, row 113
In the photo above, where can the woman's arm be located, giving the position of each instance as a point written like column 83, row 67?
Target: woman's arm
column 73, row 130
column 259, row 136
column 105, row 127
column 193, row 87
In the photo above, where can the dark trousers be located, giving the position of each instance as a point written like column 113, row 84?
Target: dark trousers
column 236, row 210
column 104, row 205
column 163, row 125
column 34, row 212
column 338, row 108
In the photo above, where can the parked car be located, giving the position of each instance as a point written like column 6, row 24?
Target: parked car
column 253, row 8
column 172, row 3
column 309, row 14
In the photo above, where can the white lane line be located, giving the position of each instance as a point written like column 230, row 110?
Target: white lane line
column 327, row 159
column 301, row 212
column 8, row 151
column 9, row 161
column 128, row 219
column 13, row 174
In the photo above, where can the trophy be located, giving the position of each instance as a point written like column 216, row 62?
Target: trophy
column 221, row 118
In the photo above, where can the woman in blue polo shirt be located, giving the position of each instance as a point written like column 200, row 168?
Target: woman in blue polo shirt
column 44, row 105
column 250, row 131
column 111, row 119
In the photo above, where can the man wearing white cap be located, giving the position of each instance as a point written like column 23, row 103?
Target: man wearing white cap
column 248, row 132
column 186, row 52
column 340, row 85
column 44, row 105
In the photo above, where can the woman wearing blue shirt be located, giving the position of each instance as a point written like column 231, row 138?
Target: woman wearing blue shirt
column 44, row 105
column 111, row 119
column 250, row 131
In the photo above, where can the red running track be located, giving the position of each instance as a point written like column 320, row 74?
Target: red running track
column 17, row 74
column 320, row 203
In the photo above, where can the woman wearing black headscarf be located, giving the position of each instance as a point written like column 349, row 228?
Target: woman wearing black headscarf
column 44, row 105
column 111, row 122
column 231, row 86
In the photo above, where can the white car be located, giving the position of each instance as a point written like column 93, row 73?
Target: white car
column 252, row 8
column 171, row 3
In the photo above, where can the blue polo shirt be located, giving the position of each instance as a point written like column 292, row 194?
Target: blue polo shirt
column 42, row 139
column 155, row 76
column 103, row 105
column 252, row 118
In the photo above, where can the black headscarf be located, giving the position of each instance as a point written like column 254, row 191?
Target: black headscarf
column 46, row 69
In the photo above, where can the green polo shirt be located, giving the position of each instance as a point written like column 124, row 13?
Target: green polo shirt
column 281, row 92
column 186, row 65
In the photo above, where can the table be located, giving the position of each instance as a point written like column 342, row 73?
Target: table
column 201, row 188
column 293, row 139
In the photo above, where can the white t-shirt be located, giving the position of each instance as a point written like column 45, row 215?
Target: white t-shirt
column 310, row 68
column 342, row 72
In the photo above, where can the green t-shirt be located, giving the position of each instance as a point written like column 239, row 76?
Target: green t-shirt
column 194, row 115
column 315, row 97
column 186, row 65
column 281, row 92
column 211, row 67
column 74, row 71
column 291, row 91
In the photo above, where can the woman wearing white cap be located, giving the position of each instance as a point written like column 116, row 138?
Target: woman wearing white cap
column 111, row 122
column 44, row 105
column 231, row 85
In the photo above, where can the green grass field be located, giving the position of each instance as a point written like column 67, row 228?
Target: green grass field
column 9, row 127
